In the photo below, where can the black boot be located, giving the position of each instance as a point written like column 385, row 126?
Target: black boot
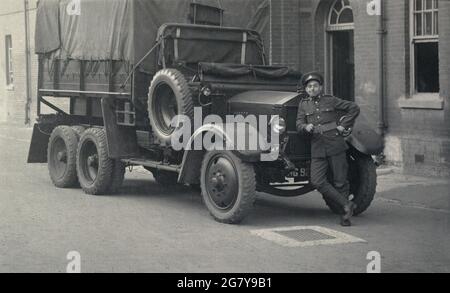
column 348, row 213
column 345, row 222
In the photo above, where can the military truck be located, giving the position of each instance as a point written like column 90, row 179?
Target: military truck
column 128, row 68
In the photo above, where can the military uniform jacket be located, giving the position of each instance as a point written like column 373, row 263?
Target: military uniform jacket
column 322, row 112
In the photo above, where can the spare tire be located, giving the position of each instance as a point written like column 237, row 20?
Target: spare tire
column 362, row 175
column 169, row 96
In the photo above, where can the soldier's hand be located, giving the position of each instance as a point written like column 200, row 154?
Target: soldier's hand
column 309, row 128
column 344, row 131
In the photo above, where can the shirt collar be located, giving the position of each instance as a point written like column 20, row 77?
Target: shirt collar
column 316, row 98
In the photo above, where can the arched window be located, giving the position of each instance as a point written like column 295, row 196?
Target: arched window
column 341, row 16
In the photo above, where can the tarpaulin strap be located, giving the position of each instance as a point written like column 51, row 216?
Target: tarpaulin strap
column 50, row 66
column 175, row 44
column 139, row 63
column 244, row 47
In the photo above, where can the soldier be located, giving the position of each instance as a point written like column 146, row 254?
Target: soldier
column 318, row 116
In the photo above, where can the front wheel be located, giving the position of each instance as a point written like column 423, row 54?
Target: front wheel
column 228, row 186
column 362, row 177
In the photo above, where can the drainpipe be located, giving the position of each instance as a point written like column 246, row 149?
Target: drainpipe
column 381, row 31
column 28, row 62
column 270, row 33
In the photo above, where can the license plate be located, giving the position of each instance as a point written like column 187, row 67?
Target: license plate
column 302, row 172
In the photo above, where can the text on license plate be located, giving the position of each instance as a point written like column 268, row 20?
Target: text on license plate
column 299, row 172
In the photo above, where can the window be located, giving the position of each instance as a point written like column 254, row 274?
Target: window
column 9, row 63
column 341, row 16
column 424, row 46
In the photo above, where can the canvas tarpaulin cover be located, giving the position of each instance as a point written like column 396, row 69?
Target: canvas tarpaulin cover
column 125, row 30
column 233, row 70
column 209, row 44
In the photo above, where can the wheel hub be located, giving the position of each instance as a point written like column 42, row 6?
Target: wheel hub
column 92, row 161
column 222, row 183
column 59, row 158
column 219, row 181
column 166, row 108
column 62, row 156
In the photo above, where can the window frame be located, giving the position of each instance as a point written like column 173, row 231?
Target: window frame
column 340, row 26
column 9, row 68
column 413, row 40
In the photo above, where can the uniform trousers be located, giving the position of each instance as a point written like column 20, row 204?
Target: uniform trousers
column 329, row 177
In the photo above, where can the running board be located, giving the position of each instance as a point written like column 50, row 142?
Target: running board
column 152, row 164
column 298, row 184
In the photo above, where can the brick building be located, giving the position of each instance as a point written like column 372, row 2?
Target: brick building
column 401, row 58
column 392, row 59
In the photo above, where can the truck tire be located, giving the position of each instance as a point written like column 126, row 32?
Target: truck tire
column 94, row 167
column 62, row 154
column 79, row 130
column 169, row 95
column 165, row 178
column 363, row 183
column 228, row 186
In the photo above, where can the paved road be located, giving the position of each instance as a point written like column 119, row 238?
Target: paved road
column 150, row 229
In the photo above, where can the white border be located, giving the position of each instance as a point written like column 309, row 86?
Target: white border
column 272, row 235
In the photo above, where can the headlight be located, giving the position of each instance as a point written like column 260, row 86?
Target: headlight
column 206, row 91
column 278, row 125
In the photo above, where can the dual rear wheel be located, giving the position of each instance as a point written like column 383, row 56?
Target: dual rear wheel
column 62, row 157
column 78, row 156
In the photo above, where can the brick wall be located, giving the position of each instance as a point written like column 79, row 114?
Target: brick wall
column 444, row 56
column 305, row 36
column 396, row 74
column 285, row 32
column 366, row 61
column 423, row 133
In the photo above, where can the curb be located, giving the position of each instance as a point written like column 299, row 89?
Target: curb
column 384, row 171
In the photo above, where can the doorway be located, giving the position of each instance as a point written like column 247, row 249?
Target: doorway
column 342, row 64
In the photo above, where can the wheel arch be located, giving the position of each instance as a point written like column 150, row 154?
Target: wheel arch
column 191, row 164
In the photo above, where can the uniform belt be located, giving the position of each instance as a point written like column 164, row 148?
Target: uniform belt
column 322, row 128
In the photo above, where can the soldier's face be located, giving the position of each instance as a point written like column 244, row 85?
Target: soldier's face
column 313, row 88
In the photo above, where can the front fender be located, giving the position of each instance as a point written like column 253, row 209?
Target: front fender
column 365, row 139
column 235, row 144
column 192, row 158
